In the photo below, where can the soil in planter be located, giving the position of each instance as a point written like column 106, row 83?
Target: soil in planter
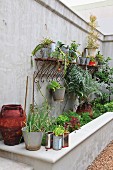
column 85, row 107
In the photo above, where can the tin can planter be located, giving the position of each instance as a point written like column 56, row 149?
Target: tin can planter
column 49, row 140
column 32, row 140
column 82, row 60
column 45, row 52
column 65, row 142
column 57, row 142
column 58, row 94
column 87, row 61
column 52, row 47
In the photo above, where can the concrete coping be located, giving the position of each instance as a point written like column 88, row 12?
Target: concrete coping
column 75, row 138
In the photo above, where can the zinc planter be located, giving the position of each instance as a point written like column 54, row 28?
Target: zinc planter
column 52, row 47
column 57, row 142
column 87, row 61
column 65, row 140
column 45, row 52
column 32, row 140
column 49, row 140
column 82, row 60
column 58, row 94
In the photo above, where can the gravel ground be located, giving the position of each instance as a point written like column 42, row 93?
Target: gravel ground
column 104, row 161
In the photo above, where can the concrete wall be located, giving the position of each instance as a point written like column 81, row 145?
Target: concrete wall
column 23, row 23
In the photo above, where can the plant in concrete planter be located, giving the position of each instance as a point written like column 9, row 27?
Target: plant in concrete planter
column 58, row 137
column 92, row 39
column 46, row 46
column 38, row 121
column 58, row 90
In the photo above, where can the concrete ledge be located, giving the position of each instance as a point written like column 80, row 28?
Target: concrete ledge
column 6, row 164
column 85, row 145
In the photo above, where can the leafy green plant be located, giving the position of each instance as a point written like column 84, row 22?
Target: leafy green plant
column 85, row 118
column 73, row 52
column 100, row 58
column 62, row 119
column 81, row 83
column 53, row 85
column 39, row 118
column 59, row 130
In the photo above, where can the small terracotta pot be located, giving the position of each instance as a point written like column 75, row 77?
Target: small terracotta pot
column 85, row 108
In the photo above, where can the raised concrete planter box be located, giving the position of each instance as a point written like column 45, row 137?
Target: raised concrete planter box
column 85, row 145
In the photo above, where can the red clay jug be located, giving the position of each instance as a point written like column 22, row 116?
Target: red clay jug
column 12, row 119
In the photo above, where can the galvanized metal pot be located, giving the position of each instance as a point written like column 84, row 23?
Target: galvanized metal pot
column 49, row 140
column 58, row 95
column 32, row 140
column 65, row 140
column 57, row 142
column 82, row 60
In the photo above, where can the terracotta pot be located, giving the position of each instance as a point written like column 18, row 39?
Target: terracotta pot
column 85, row 107
column 12, row 119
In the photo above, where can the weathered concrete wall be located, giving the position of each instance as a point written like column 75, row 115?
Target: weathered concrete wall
column 23, row 23
column 108, row 48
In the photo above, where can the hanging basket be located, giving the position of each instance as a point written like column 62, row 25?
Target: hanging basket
column 12, row 119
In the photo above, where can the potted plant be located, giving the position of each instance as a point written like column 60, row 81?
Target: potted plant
column 73, row 51
column 92, row 61
column 99, row 58
column 89, row 89
column 81, row 83
column 58, row 137
column 92, row 39
column 46, row 46
column 87, row 59
column 58, row 90
column 38, row 121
